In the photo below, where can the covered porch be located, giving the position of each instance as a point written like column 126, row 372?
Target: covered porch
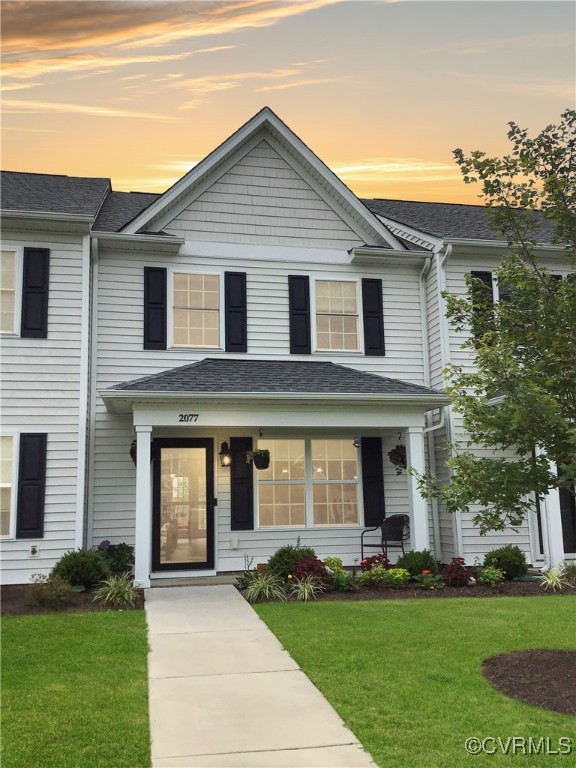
column 328, row 429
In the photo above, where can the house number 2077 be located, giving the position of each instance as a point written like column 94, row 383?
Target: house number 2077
column 187, row 417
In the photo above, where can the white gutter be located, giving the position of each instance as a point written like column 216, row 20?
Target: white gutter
column 367, row 254
column 156, row 240
column 76, row 218
column 83, row 405
column 472, row 243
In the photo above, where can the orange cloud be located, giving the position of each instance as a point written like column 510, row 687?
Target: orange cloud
column 15, row 105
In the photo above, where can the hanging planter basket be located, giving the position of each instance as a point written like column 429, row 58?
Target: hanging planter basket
column 397, row 457
column 260, row 458
column 134, row 452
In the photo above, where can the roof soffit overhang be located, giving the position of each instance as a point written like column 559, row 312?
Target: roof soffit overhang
column 40, row 220
column 266, row 125
column 123, row 401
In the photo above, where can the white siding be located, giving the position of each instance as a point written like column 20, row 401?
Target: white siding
column 40, row 381
column 262, row 199
column 121, row 357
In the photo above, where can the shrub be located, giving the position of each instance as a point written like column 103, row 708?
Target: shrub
column 335, row 564
column 415, row 562
column 427, row 580
column 310, row 566
column 370, row 562
column 509, row 559
column 374, row 577
column 490, row 575
column 307, row 588
column 264, row 586
column 554, row 579
column 569, row 572
column 396, row 578
column 120, row 557
column 118, row 591
column 284, row 559
column 49, row 591
column 82, row 568
column 344, row 581
column 455, row 573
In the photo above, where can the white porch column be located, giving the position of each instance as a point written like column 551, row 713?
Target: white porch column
column 419, row 507
column 554, row 524
column 143, row 547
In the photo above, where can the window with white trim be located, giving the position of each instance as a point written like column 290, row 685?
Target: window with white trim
column 309, row 483
column 196, row 310
column 6, row 472
column 337, row 315
column 8, row 269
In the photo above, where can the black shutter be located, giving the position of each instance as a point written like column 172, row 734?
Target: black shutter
column 299, row 300
column 236, row 317
column 241, row 486
column 373, row 317
column 568, row 517
column 155, row 307
column 372, row 481
column 31, row 486
column 35, row 280
column 482, row 303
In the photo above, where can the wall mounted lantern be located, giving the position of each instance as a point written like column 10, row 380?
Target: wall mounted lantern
column 225, row 455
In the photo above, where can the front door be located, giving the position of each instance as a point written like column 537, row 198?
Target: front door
column 183, row 506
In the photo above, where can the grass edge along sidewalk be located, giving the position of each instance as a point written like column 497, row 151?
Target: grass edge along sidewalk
column 75, row 691
column 406, row 676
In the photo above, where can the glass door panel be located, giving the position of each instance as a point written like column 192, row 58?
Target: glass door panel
column 183, row 508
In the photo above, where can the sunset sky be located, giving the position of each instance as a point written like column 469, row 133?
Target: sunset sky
column 381, row 91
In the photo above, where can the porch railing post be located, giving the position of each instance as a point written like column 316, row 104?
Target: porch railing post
column 143, row 538
column 420, row 537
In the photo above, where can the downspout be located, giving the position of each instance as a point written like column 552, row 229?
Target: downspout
column 92, row 392
column 430, row 438
column 84, row 397
column 442, row 256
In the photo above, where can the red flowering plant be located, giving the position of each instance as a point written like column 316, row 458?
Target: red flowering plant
column 310, row 566
column 369, row 562
column 429, row 580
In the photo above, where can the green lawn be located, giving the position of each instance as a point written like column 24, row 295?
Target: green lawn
column 405, row 675
column 75, row 691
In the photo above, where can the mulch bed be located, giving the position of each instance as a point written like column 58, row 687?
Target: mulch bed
column 542, row 678
column 507, row 589
column 16, row 600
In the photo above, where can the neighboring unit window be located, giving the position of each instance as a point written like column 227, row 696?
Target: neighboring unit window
column 323, row 471
column 282, row 487
column 337, row 315
column 196, row 314
column 335, row 482
column 6, row 450
column 7, row 291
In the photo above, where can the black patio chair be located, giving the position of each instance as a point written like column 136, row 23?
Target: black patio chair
column 394, row 531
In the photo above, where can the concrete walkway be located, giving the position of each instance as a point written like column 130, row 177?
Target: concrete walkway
column 225, row 694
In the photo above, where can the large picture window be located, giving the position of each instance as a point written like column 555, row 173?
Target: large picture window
column 309, row 483
column 196, row 310
column 337, row 316
column 6, row 463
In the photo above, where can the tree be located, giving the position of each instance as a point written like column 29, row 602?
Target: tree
column 519, row 400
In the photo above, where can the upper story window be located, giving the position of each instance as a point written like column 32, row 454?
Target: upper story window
column 337, row 316
column 8, row 264
column 6, row 456
column 196, row 310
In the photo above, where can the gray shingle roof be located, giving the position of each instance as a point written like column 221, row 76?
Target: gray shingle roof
column 120, row 208
column 270, row 376
column 443, row 219
column 52, row 194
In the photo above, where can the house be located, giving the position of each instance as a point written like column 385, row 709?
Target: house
column 150, row 342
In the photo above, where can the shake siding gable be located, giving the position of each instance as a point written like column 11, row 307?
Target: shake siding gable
column 262, row 199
